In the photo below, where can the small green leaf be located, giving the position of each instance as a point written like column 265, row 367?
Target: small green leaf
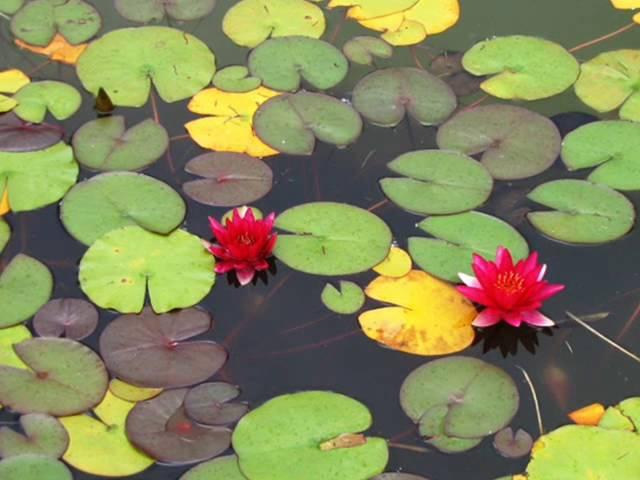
column 35, row 99
column 236, row 79
column 363, row 49
column 349, row 299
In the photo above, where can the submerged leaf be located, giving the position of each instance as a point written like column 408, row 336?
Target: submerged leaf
column 236, row 79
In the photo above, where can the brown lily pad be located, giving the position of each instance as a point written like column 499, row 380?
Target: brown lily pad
column 208, row 404
column 43, row 435
column 16, row 135
column 69, row 317
column 512, row 445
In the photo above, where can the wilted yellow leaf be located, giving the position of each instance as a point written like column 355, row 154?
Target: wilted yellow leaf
column 100, row 447
column 12, row 80
column 58, row 50
column 5, row 207
column 8, row 338
column 368, row 9
column 229, row 124
column 397, row 264
column 131, row 393
column 430, row 316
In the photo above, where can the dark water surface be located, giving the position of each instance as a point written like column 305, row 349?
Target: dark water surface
column 282, row 339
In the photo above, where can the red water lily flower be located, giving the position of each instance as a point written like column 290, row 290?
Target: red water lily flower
column 510, row 293
column 243, row 244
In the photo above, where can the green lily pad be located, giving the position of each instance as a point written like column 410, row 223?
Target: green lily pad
column 105, row 144
column 66, row 378
column 236, row 79
column 36, row 179
column 385, row 96
column 583, row 212
column 282, row 439
column 292, row 123
column 526, row 68
column 282, row 63
column 250, row 22
column 125, row 62
column 34, row 99
column 398, row 476
column 612, row 146
column 113, row 200
column 327, row 238
column 515, row 143
column 473, row 397
column 614, row 419
column 222, row 468
column 39, row 20
column 33, row 467
column 631, row 409
column 363, row 49
column 349, row 299
column 5, row 234
column 43, row 435
column 458, row 237
column 432, row 426
column 10, row 7
column 144, row 11
column 25, row 285
column 602, row 453
column 440, row 182
column 119, row 267
column 609, row 81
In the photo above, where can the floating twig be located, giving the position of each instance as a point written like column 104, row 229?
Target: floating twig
column 535, row 398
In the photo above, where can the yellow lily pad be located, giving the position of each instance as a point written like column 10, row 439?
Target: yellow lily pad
column 396, row 265
column 5, row 206
column 12, row 80
column 132, row 393
column 368, row 9
column 8, row 338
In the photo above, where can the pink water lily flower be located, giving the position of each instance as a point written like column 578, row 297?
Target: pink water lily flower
column 510, row 293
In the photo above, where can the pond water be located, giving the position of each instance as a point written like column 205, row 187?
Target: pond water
column 280, row 337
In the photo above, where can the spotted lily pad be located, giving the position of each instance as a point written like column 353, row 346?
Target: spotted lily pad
column 16, row 135
column 72, row 317
column 144, row 11
column 230, row 179
column 527, row 68
column 209, row 403
column 125, row 62
column 235, row 78
column 43, row 435
column 292, row 123
column 515, row 142
column 105, row 144
column 363, row 49
column 286, row 438
column 458, row 237
column 478, row 398
column 326, row 238
column 282, row 63
column 385, row 96
column 347, row 300
column 39, row 20
column 512, row 445
column 250, row 22
column 439, row 182
column 36, row 179
column 5, row 234
column 33, row 467
column 119, row 267
column 150, row 350
column 223, row 468
column 66, row 378
column 113, row 200
column 35, row 99
column 160, row 428
column 583, row 212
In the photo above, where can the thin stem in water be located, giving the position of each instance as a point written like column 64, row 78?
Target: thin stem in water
column 602, row 38
column 535, row 398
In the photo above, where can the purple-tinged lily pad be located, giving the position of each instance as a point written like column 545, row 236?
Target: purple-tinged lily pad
column 515, row 142
column 33, row 467
column 230, row 179
column 363, row 49
column 160, row 428
column 236, row 79
column 209, row 404
column 512, row 446
column 448, row 67
column 150, row 350
column 43, row 435
column 222, row 468
column 385, row 96
column 16, row 135
column 105, row 144
column 70, row 317
column 292, row 123
column 143, row 11
column 66, row 378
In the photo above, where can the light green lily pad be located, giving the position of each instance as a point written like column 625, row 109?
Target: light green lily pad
column 236, row 79
column 281, row 440
column 583, row 212
column 250, row 22
column 222, row 468
column 440, row 182
column 113, row 200
column 34, row 99
column 33, row 467
column 36, row 179
column 125, row 62
column 10, row 7
column 472, row 397
column 526, row 68
column 327, row 238
column 292, row 123
column 349, row 299
column 119, row 267
column 610, row 81
column 25, row 285
column 631, row 409
column 385, row 96
column 105, row 144
column 432, row 426
column 39, row 20
column 282, row 63
column 612, row 146
column 43, row 435
column 614, row 419
column 458, row 237
column 363, row 49
column 144, row 11
column 5, row 234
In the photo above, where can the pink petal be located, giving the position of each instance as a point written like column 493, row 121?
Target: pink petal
column 487, row 318
column 543, row 270
column 476, row 295
column 245, row 275
column 524, row 267
column 217, row 229
column 547, row 292
column 469, row 281
column 514, row 319
column 537, row 319
column 504, row 261
column 269, row 221
column 223, row 267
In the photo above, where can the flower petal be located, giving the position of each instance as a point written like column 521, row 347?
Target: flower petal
column 537, row 319
column 487, row 318
column 245, row 275
column 469, row 281
column 476, row 295
column 513, row 318
column 504, row 261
